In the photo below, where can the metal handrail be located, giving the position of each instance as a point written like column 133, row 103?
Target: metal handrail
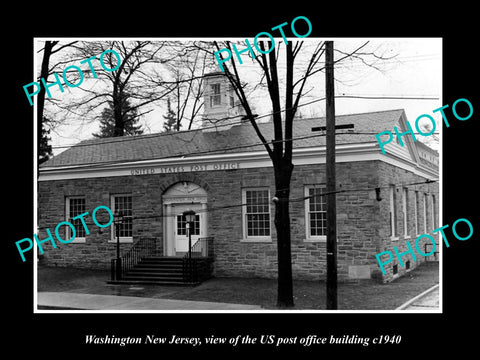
column 139, row 250
column 202, row 248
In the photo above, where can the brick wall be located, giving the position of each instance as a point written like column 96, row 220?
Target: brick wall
column 362, row 220
column 394, row 175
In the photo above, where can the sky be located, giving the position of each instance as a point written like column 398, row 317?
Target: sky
column 411, row 68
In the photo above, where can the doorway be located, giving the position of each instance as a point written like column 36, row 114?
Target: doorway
column 180, row 227
column 178, row 198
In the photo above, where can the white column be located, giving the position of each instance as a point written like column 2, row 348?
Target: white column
column 204, row 225
column 168, row 233
column 203, row 219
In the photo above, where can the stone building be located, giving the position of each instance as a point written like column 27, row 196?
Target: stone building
column 221, row 172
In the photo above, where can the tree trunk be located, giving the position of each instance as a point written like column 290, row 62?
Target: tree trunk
column 119, row 129
column 283, row 173
column 47, row 52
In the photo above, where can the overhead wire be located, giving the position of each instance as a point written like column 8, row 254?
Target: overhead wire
column 209, row 209
column 216, row 126
column 173, row 133
column 261, row 144
column 292, row 200
column 212, row 151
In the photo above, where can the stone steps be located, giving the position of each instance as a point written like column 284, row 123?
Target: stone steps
column 162, row 270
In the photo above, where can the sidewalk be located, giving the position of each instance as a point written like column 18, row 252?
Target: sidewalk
column 75, row 301
column 426, row 301
column 226, row 293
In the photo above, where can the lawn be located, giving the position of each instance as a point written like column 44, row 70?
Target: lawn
column 359, row 295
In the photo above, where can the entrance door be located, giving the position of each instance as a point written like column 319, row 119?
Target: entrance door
column 180, row 227
column 178, row 198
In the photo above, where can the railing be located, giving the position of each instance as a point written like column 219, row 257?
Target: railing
column 142, row 248
column 198, row 259
column 203, row 247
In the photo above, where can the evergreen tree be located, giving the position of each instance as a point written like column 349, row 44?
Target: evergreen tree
column 170, row 123
column 129, row 120
column 44, row 148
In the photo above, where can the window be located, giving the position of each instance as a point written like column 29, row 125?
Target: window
column 231, row 92
column 256, row 214
column 393, row 212
column 434, row 213
column 417, row 214
column 405, row 212
column 316, row 212
column 215, row 97
column 425, row 212
column 75, row 206
column 123, row 204
column 182, row 225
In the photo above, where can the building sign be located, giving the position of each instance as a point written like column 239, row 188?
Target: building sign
column 185, row 168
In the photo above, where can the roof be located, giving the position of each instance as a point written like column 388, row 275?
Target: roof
column 238, row 138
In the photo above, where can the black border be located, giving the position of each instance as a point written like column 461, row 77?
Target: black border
column 64, row 334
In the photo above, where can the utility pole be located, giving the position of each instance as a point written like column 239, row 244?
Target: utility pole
column 331, row 181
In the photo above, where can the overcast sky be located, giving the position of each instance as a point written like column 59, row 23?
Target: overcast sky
column 414, row 71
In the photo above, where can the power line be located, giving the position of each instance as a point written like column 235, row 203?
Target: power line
column 355, row 63
column 223, row 207
column 428, row 181
column 387, row 97
column 213, row 151
column 173, row 133
column 216, row 126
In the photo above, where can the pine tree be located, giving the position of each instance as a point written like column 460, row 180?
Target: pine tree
column 170, row 123
column 44, row 148
column 129, row 120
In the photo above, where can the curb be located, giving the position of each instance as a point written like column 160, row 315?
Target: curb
column 96, row 302
column 412, row 300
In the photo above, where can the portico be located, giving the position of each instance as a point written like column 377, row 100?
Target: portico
column 178, row 198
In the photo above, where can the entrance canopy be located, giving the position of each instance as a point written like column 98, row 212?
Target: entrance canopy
column 178, row 198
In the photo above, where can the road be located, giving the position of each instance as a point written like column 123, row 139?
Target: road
column 426, row 301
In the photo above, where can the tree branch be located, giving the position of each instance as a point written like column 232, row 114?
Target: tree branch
column 235, row 81
column 289, row 110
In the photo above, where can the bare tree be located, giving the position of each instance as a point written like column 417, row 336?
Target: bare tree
column 293, row 84
column 134, row 81
column 187, row 69
column 50, row 48
column 280, row 149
